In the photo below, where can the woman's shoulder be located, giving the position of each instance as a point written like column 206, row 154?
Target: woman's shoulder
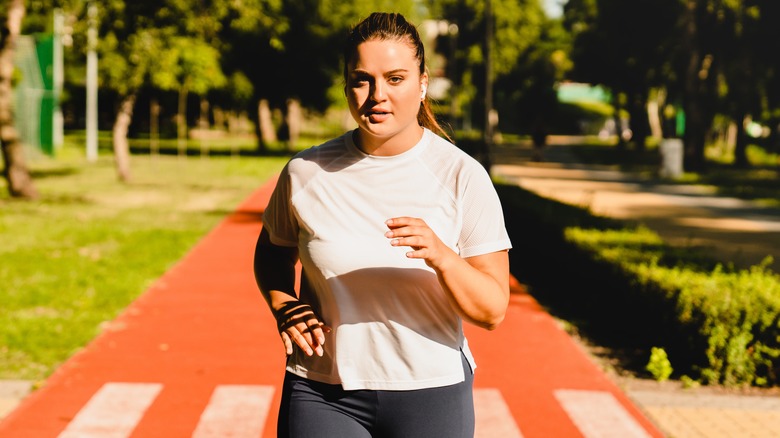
column 446, row 153
column 320, row 156
column 335, row 145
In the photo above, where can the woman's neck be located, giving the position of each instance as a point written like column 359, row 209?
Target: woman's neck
column 387, row 147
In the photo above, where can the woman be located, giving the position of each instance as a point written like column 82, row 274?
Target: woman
column 400, row 236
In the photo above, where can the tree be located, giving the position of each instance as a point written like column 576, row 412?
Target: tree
column 767, row 41
column 189, row 64
column 746, row 32
column 699, row 81
column 526, row 95
column 708, row 56
column 517, row 29
column 626, row 47
column 16, row 173
column 168, row 44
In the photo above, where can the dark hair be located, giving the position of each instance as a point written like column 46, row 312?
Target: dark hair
column 392, row 26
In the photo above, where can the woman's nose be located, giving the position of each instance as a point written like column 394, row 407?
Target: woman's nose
column 377, row 92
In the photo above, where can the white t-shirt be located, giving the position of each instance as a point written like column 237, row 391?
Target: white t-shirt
column 393, row 326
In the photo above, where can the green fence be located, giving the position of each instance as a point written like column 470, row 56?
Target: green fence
column 36, row 104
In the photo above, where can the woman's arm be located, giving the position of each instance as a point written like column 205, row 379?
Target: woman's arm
column 478, row 287
column 274, row 268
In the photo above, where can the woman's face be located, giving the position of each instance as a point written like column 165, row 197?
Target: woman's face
column 384, row 90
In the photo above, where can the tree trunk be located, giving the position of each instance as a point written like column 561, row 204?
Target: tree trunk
column 740, row 147
column 640, row 122
column 20, row 183
column 621, row 142
column 154, row 127
column 697, row 76
column 254, row 114
column 181, row 120
column 654, row 106
column 267, row 131
column 121, row 148
column 294, row 120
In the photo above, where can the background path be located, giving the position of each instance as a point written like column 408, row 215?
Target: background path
column 197, row 355
column 731, row 229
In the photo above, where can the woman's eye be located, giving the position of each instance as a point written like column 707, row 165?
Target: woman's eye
column 396, row 79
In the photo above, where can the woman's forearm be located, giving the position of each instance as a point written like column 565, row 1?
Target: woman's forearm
column 274, row 268
column 478, row 287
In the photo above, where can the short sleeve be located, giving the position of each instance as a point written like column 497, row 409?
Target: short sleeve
column 279, row 218
column 483, row 229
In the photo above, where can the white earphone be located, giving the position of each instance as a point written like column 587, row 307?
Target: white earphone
column 424, row 89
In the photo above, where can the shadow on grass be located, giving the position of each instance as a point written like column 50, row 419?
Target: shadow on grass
column 50, row 173
column 210, row 152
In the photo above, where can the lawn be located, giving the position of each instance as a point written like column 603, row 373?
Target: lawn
column 72, row 260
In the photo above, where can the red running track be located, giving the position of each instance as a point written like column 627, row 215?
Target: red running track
column 203, row 328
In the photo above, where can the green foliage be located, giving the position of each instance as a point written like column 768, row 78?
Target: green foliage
column 659, row 365
column 735, row 312
column 688, row 382
column 240, row 87
column 171, row 44
column 192, row 63
column 523, row 45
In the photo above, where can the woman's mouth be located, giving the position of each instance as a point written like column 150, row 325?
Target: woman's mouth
column 378, row 116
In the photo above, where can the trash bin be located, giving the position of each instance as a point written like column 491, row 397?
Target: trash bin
column 671, row 158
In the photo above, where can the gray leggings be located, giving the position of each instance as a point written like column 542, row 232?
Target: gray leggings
column 317, row 410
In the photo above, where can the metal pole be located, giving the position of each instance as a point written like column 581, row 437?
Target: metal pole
column 58, row 76
column 92, row 88
column 452, row 30
column 488, row 131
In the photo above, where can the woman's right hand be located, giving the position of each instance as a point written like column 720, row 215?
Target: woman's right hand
column 274, row 267
column 299, row 324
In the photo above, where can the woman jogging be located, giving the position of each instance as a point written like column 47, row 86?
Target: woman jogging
column 401, row 237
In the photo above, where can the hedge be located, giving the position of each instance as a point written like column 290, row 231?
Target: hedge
column 622, row 285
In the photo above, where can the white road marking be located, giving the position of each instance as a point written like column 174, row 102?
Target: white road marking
column 597, row 414
column 113, row 412
column 235, row 411
column 493, row 417
column 238, row 411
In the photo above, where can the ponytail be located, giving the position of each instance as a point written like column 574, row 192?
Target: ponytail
column 427, row 119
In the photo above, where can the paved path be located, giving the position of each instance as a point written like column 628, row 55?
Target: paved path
column 197, row 356
column 730, row 229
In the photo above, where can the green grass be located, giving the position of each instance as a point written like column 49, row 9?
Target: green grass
column 90, row 245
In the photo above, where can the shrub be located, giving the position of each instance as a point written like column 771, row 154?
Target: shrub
column 623, row 285
column 659, row 365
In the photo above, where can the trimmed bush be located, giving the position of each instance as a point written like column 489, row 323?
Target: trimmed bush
column 623, row 285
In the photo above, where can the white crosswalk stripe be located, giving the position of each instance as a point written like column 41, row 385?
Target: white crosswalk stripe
column 238, row 411
column 493, row 416
column 235, row 411
column 597, row 414
column 113, row 412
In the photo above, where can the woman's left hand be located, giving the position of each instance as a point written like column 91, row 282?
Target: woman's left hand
column 478, row 286
column 415, row 233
